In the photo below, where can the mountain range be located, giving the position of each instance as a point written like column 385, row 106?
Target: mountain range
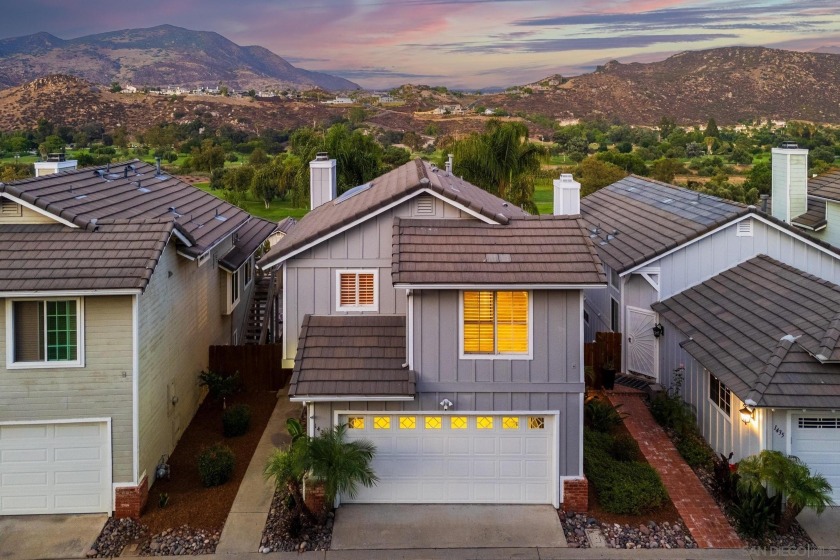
column 157, row 56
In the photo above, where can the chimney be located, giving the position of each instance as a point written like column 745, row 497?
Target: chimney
column 790, row 181
column 323, row 180
column 566, row 196
column 55, row 163
column 449, row 163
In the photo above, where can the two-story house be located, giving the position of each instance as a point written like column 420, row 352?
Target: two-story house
column 114, row 281
column 445, row 325
column 737, row 301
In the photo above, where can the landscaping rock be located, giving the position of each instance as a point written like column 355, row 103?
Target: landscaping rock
column 184, row 540
column 650, row 535
column 115, row 535
column 276, row 535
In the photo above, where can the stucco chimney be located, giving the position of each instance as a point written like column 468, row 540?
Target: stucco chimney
column 790, row 181
column 55, row 163
column 566, row 196
column 323, row 180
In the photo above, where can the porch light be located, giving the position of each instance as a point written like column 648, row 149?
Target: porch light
column 746, row 414
column 658, row 330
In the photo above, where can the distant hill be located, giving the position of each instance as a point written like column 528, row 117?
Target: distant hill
column 156, row 56
column 730, row 84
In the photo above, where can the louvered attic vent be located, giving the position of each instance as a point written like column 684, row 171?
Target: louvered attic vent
column 425, row 205
column 744, row 228
column 9, row 208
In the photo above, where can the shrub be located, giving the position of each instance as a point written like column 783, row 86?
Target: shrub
column 624, row 448
column 754, row 511
column 694, row 450
column 671, row 412
column 623, row 487
column 219, row 386
column 215, row 465
column 236, row 420
column 600, row 415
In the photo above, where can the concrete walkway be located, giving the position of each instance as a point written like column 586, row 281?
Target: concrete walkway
column 420, row 526
column 823, row 529
column 701, row 514
column 27, row 537
column 245, row 523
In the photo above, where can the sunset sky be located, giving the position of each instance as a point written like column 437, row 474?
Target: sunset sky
column 456, row 43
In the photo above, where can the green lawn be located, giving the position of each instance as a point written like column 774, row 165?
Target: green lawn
column 279, row 208
column 544, row 195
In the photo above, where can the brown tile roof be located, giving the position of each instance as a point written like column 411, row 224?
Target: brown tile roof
column 132, row 190
column 248, row 239
column 826, row 186
column 651, row 218
column 814, row 218
column 116, row 255
column 403, row 181
column 758, row 326
column 352, row 355
column 532, row 250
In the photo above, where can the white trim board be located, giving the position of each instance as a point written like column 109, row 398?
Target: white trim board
column 367, row 217
column 500, row 287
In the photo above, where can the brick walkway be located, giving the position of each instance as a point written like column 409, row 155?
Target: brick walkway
column 698, row 509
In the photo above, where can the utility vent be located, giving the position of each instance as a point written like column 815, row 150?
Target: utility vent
column 668, row 201
column 744, row 228
column 144, row 190
column 10, row 209
column 820, row 423
column 425, row 205
column 497, row 257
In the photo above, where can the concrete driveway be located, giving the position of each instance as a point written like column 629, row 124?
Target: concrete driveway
column 386, row 526
column 823, row 529
column 29, row 537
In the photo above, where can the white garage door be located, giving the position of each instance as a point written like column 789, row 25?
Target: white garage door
column 55, row 468
column 454, row 458
column 816, row 440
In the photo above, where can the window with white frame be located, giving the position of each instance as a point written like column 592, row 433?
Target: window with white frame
column 356, row 290
column 44, row 333
column 234, row 288
column 496, row 323
column 720, row 395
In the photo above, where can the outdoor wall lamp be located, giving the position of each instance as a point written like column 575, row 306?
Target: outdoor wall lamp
column 658, row 330
column 445, row 403
column 748, row 412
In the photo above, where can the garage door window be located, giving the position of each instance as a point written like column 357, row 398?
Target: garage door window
column 458, row 422
column 510, row 423
column 381, row 422
column 496, row 324
column 433, row 422
column 408, row 422
column 536, row 423
column 45, row 333
column 820, row 423
column 356, row 423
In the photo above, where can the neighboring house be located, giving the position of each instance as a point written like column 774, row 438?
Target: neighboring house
column 445, row 325
column 664, row 247
column 114, row 281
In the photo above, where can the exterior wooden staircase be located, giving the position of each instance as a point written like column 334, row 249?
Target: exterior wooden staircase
column 258, row 311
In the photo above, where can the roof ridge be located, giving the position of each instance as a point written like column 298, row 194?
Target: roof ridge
column 829, row 339
column 771, row 366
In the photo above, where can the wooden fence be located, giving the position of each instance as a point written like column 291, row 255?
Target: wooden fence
column 607, row 346
column 259, row 365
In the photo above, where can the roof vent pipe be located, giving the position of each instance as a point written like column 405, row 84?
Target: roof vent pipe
column 157, row 165
column 108, row 168
column 449, row 163
column 764, row 198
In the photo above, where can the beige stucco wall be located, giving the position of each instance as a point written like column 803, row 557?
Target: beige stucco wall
column 100, row 389
column 26, row 216
column 180, row 318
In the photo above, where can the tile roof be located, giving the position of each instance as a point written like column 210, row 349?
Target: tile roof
column 403, row 181
column 352, row 355
column 826, row 186
column 132, row 190
column 532, row 250
column 814, row 218
column 116, row 255
column 758, row 327
column 247, row 240
column 651, row 218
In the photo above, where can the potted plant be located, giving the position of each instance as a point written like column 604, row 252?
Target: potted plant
column 608, row 372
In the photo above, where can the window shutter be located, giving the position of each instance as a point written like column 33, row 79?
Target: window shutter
column 366, row 289
column 512, row 322
column 348, row 289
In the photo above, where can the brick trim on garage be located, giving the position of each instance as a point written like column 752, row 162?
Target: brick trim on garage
column 130, row 500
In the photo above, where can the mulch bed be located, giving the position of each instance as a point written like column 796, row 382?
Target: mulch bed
column 193, row 519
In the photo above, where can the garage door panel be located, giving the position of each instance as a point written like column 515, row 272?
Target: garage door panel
column 816, row 441
column 460, row 459
column 55, row 468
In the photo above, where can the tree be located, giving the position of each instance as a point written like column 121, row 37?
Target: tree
column 666, row 127
column 357, row 115
column 115, row 87
column 760, row 178
column 51, row 145
column 502, row 161
column 789, row 476
column 593, row 174
column 258, row 158
column 711, row 129
column 266, row 183
column 239, row 178
column 666, row 169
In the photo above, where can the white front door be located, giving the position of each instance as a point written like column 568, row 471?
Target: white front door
column 56, row 467
column 433, row 457
column 641, row 344
column 816, row 440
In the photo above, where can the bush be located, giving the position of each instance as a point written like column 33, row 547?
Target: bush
column 600, row 415
column 695, row 451
column 219, row 386
column 671, row 412
column 754, row 511
column 236, row 420
column 623, row 487
column 624, row 448
column 215, row 465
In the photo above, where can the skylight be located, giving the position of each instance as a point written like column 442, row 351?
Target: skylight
column 352, row 192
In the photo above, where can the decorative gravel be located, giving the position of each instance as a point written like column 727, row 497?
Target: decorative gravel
column 276, row 537
column 648, row 535
column 184, row 540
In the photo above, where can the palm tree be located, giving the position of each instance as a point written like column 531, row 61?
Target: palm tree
column 501, row 161
column 288, row 467
column 790, row 477
column 341, row 465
